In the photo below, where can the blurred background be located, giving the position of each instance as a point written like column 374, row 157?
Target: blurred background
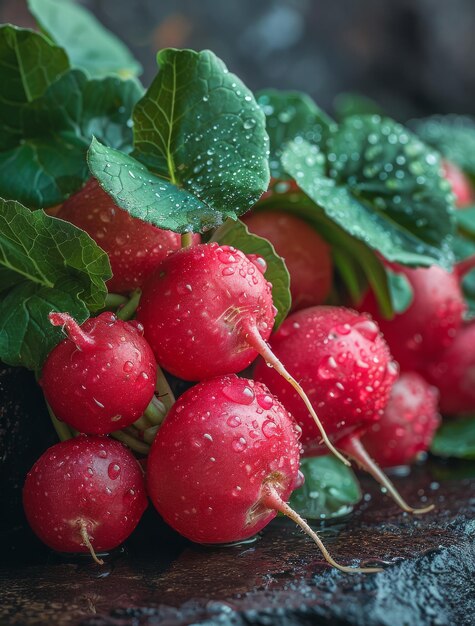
column 414, row 57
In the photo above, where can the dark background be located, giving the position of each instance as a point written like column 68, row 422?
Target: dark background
column 413, row 56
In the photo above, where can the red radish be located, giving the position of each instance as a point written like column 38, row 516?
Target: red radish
column 207, row 311
column 453, row 373
column 224, row 463
column 86, row 494
column 460, row 183
column 408, row 424
column 135, row 248
column 346, row 369
column 306, row 254
column 418, row 335
column 102, row 377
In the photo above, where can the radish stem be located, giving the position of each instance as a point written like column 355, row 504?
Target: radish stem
column 272, row 500
column 254, row 339
column 128, row 310
column 353, row 447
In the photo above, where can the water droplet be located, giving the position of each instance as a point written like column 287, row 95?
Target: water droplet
column 239, row 394
column 113, row 471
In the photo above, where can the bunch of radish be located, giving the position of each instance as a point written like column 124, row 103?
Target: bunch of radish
column 226, row 457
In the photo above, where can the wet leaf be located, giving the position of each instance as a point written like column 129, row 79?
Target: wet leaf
column 235, row 233
column 44, row 159
column 347, row 104
column 89, row 45
column 452, row 135
column 400, row 290
column 199, row 128
column 455, row 439
column 291, row 115
column 383, row 186
column 46, row 264
column 330, row 489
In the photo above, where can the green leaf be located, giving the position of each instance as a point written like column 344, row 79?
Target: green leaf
column 46, row 159
column 400, row 291
column 46, row 264
column 347, row 104
column 235, row 233
column 199, row 127
column 148, row 196
column 405, row 217
column 455, row 439
column 452, row 135
column 330, row 489
column 89, row 45
column 291, row 114
column 29, row 63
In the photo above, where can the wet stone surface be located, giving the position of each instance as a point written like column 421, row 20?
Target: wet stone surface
column 429, row 576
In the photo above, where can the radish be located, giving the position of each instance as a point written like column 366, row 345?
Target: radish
column 102, row 377
column 207, row 311
column 306, row 254
column 346, row 369
column 418, row 335
column 408, row 424
column 225, row 461
column 460, row 183
column 453, row 373
column 85, row 494
column 135, row 248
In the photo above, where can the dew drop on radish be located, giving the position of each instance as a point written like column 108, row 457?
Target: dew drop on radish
column 198, row 333
column 102, row 376
column 74, row 501
column 232, row 488
column 347, row 371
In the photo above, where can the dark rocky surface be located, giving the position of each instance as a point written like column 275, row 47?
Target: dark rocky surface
column 429, row 576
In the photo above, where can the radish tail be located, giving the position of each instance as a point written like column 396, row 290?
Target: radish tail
column 353, row 447
column 255, row 340
column 272, row 500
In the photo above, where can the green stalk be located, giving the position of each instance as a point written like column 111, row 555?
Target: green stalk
column 127, row 312
column 186, row 239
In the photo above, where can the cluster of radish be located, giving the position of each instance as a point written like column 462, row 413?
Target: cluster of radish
column 225, row 458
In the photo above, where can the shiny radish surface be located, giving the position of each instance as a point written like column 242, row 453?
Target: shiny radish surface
column 134, row 247
column 207, row 311
column 408, row 424
column 306, row 254
column 460, row 183
column 221, row 441
column 194, row 308
column 343, row 364
column 225, row 461
column 453, row 373
column 86, row 494
column 102, row 376
column 418, row 335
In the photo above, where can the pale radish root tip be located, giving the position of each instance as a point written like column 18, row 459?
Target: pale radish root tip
column 87, row 542
column 355, row 450
column 253, row 337
column 73, row 330
column 272, row 500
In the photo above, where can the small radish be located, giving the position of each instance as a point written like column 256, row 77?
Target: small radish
column 453, row 373
column 207, row 311
column 86, row 494
column 306, row 254
column 418, row 335
column 135, row 248
column 346, row 369
column 225, row 461
column 408, row 424
column 102, row 377
column 460, row 183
